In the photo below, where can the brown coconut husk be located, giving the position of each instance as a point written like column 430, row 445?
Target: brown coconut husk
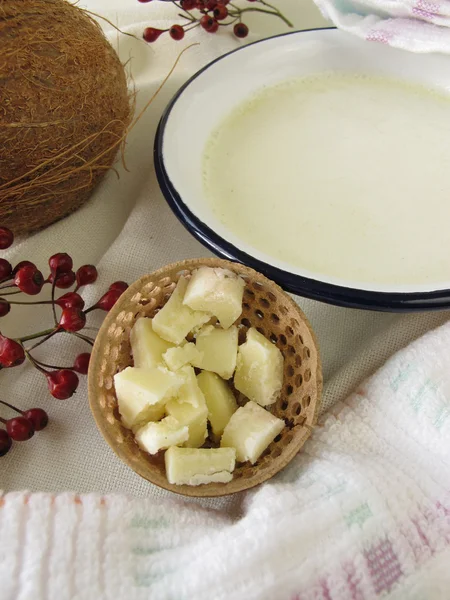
column 64, row 110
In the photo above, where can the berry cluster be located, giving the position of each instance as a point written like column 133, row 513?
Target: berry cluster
column 211, row 15
column 21, row 429
column 26, row 278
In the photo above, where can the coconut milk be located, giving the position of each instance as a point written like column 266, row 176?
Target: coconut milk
column 341, row 176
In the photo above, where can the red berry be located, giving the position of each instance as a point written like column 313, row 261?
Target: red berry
column 23, row 263
column 86, row 274
column 189, row 4
column 240, row 30
column 209, row 24
column 81, row 364
column 63, row 280
column 5, row 269
column 6, row 238
column 5, row 442
column 108, row 300
column 70, row 300
column 61, row 263
column 176, row 32
column 38, row 417
column 151, row 34
column 20, row 429
column 206, row 21
column 62, row 383
column 29, row 280
column 210, row 4
column 213, row 27
column 11, row 353
column 119, row 285
column 5, row 307
column 220, row 13
column 72, row 319
column 143, row 1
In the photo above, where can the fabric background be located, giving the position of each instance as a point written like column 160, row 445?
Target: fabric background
column 127, row 230
column 362, row 513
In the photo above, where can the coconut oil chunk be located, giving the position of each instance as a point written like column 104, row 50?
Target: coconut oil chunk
column 218, row 349
column 175, row 358
column 259, row 369
column 193, row 415
column 146, row 346
column 175, row 320
column 217, row 291
column 140, row 391
column 195, row 419
column 154, row 437
column 250, row 430
column 220, row 401
column 153, row 413
column 190, row 391
column 192, row 466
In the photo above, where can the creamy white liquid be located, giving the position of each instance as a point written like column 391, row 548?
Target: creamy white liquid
column 344, row 176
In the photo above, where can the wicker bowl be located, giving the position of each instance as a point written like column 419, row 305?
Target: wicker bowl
column 266, row 307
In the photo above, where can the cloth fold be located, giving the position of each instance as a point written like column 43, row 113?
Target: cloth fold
column 415, row 25
column 363, row 512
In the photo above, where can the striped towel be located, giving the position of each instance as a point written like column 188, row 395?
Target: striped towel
column 362, row 513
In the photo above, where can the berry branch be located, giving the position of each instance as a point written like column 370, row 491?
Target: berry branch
column 34, row 336
column 62, row 381
column 210, row 15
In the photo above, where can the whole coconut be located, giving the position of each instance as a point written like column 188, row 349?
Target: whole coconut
column 64, row 110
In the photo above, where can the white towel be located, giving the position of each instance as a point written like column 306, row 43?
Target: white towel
column 362, row 513
column 127, row 230
column 415, row 25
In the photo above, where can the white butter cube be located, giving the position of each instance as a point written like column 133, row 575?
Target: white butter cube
column 194, row 418
column 175, row 320
column 175, row 358
column 146, row 346
column 196, row 330
column 138, row 390
column 220, row 401
column 155, row 412
column 259, row 369
column 217, row 291
column 154, row 437
column 189, row 391
column 250, row 430
column 219, row 350
column 191, row 466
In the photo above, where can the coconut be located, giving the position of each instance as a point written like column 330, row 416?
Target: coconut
column 64, row 110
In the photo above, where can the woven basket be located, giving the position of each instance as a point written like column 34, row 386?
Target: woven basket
column 266, row 307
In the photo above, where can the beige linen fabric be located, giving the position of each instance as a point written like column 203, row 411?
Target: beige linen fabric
column 128, row 230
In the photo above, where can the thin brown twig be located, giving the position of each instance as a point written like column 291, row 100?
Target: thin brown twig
column 85, row 338
column 50, row 335
column 111, row 23
column 10, row 293
column 43, row 364
column 53, row 297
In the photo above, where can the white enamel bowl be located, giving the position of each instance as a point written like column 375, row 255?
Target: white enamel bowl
column 213, row 92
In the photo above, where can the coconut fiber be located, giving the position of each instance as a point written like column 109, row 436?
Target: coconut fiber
column 64, row 110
